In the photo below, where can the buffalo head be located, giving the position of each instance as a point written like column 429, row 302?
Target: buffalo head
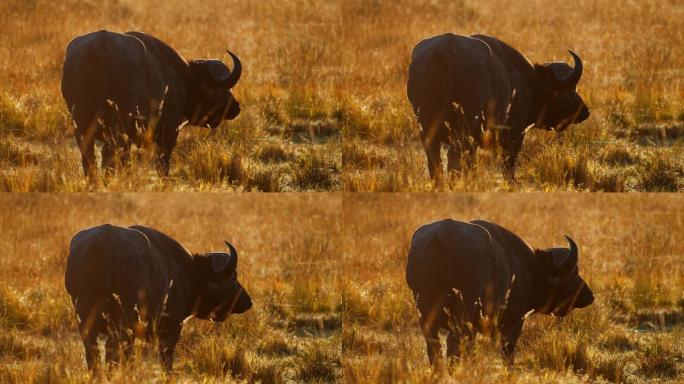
column 215, row 101
column 559, row 285
column 560, row 104
column 219, row 293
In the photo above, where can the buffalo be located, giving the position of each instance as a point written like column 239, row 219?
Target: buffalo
column 470, row 91
column 138, row 282
column 480, row 277
column 131, row 88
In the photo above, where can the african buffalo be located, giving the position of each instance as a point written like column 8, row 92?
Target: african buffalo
column 480, row 277
column 132, row 88
column 138, row 282
column 464, row 90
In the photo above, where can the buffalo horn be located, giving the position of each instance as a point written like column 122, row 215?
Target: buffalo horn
column 235, row 73
column 570, row 261
column 574, row 77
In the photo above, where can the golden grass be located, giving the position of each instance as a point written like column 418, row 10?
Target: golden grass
column 326, row 273
column 292, row 334
column 286, row 92
column 632, row 83
column 630, row 255
column 322, row 78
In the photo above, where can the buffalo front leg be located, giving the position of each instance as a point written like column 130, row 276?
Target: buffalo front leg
column 163, row 163
column 167, row 346
column 508, row 350
column 509, row 338
column 166, row 142
column 511, row 147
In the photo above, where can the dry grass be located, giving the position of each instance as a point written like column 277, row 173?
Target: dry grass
column 320, row 74
column 287, row 93
column 632, row 82
column 327, row 276
column 630, row 254
column 292, row 334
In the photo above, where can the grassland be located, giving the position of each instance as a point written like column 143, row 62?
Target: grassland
column 286, row 138
column 287, row 264
column 630, row 254
column 324, row 98
column 633, row 55
column 326, row 273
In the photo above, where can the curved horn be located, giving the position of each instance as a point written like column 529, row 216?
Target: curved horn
column 574, row 76
column 235, row 73
column 570, row 261
column 233, row 255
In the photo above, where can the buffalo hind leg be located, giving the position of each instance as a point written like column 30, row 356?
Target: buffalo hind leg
column 118, row 348
column 459, row 340
column 432, row 150
column 87, row 124
column 87, row 147
column 454, row 159
column 460, row 311
column 125, row 154
column 108, row 157
column 431, row 335
column 92, row 350
column 90, row 324
column 122, row 319
column 458, row 156
column 115, row 154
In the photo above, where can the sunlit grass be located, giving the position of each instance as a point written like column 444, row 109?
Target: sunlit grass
column 292, row 334
column 286, row 93
column 629, row 255
column 632, row 83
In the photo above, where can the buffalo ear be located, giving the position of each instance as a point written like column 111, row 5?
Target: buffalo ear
column 224, row 263
column 210, row 70
column 565, row 259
